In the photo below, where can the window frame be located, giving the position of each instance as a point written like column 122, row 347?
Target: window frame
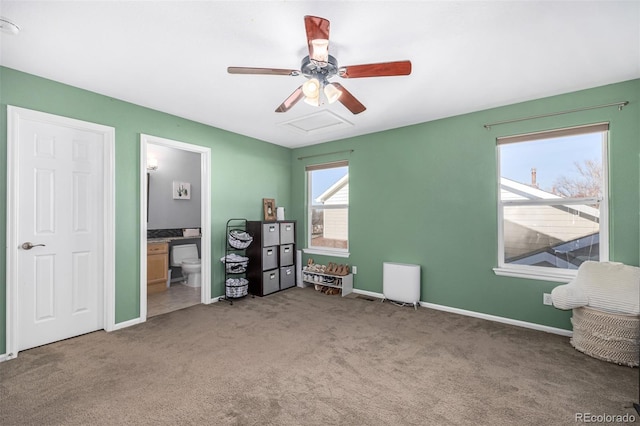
column 327, row 251
column 541, row 272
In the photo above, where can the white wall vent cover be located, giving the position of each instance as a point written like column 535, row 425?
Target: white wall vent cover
column 318, row 122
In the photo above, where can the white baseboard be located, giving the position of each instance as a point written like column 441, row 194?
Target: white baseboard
column 6, row 357
column 126, row 324
column 135, row 321
column 118, row 326
column 369, row 293
column 495, row 318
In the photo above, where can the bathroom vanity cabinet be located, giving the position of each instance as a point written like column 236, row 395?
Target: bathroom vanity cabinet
column 271, row 256
column 157, row 267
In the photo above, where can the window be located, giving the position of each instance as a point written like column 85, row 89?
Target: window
column 328, row 208
column 552, row 205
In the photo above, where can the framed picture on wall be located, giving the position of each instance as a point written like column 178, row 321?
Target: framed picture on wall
column 181, row 190
column 269, row 205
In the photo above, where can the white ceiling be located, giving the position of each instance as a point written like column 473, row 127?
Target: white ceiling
column 172, row 56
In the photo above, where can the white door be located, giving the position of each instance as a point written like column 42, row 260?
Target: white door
column 60, row 204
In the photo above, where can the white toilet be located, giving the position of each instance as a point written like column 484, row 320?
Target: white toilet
column 186, row 256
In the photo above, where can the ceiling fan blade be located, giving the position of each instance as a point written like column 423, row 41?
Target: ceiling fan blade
column 383, row 69
column 293, row 99
column 348, row 100
column 317, row 37
column 265, row 71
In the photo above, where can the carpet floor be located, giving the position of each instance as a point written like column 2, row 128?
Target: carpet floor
column 300, row 357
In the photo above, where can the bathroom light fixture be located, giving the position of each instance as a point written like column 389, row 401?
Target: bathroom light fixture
column 152, row 164
column 6, row 26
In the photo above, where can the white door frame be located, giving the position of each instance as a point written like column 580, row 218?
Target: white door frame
column 205, row 215
column 14, row 115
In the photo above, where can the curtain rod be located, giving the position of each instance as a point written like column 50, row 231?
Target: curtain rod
column 620, row 105
column 326, row 153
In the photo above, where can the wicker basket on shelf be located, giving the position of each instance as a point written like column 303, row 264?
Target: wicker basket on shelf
column 236, row 268
column 235, row 264
column 239, row 239
column 237, row 287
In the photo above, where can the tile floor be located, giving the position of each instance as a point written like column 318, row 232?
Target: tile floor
column 176, row 297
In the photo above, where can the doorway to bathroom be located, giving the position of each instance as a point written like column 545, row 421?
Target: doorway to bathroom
column 175, row 200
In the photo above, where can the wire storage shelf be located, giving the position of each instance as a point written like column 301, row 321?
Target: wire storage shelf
column 236, row 285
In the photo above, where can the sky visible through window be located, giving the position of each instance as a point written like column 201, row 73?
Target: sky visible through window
column 551, row 158
column 323, row 179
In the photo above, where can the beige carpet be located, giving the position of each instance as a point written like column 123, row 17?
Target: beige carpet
column 300, row 357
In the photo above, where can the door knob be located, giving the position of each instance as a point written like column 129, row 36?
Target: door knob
column 29, row 246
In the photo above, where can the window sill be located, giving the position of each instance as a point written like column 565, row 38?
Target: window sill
column 326, row 252
column 563, row 276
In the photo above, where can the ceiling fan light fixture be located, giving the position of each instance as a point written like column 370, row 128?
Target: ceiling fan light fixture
column 319, row 67
column 332, row 93
column 320, row 48
column 311, row 88
column 313, row 101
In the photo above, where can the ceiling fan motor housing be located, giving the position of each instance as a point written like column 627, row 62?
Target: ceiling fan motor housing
column 320, row 70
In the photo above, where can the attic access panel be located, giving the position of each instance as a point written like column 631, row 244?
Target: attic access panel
column 318, row 122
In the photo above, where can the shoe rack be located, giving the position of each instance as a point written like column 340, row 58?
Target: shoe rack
column 330, row 279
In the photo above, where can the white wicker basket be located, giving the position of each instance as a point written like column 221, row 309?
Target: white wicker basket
column 609, row 337
column 239, row 239
column 236, row 267
column 234, row 263
column 237, row 287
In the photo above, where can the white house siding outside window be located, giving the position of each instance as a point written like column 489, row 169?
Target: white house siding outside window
column 553, row 202
column 328, row 208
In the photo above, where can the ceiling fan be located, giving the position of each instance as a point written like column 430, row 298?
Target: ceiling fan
column 319, row 67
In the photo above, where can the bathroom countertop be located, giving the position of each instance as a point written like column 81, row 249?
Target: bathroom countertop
column 169, row 239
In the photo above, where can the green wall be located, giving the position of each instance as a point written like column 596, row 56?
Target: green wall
column 426, row 194
column 237, row 162
column 422, row 194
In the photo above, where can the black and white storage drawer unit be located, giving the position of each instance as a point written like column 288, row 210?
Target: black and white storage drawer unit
column 287, row 233
column 287, row 277
column 270, row 233
column 286, row 254
column 270, row 282
column 271, row 256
